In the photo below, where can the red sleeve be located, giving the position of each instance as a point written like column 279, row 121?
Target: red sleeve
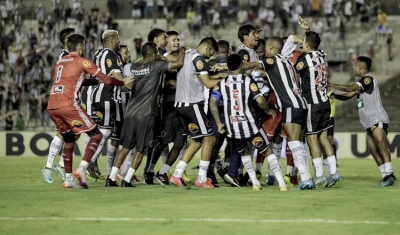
column 109, row 80
column 90, row 67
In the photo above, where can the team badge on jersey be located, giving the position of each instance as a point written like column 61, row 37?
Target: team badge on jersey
column 193, row 128
column 246, row 58
column 300, row 65
column 270, row 61
column 86, row 64
column 199, row 65
column 99, row 115
column 367, row 80
column 254, row 87
column 257, row 142
column 108, row 62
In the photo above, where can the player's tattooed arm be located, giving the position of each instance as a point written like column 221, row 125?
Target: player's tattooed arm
column 345, row 88
column 344, row 96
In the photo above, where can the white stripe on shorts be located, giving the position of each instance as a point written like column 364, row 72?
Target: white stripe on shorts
column 199, row 118
column 106, row 113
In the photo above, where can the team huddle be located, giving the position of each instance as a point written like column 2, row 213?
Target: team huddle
column 235, row 106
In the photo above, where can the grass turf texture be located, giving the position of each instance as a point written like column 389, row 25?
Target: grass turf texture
column 349, row 204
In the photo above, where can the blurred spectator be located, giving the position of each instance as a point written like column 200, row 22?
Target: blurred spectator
column 284, row 17
column 44, row 118
column 3, row 12
column 190, row 14
column 328, row 11
column 382, row 21
column 216, row 22
column 33, row 110
column 136, row 13
column 204, row 14
column 160, row 8
column 359, row 4
column 20, row 125
column 76, row 4
column 2, row 68
column 295, row 12
column 254, row 5
column 251, row 16
column 224, row 11
column 13, row 98
column 9, row 123
column 138, row 45
column 149, row 10
column 2, row 92
column 242, row 16
column 348, row 10
column 315, row 7
column 389, row 43
column 112, row 7
column 57, row 8
column 197, row 24
column 364, row 11
column 317, row 25
column 40, row 14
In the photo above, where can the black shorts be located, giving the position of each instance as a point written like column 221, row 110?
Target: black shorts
column 332, row 129
column 103, row 113
column 194, row 121
column 381, row 125
column 294, row 115
column 137, row 132
column 318, row 118
column 172, row 130
column 259, row 141
column 119, row 122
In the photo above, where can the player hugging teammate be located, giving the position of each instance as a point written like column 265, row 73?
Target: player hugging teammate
column 264, row 92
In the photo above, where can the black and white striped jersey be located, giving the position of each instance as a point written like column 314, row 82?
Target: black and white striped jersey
column 312, row 67
column 107, row 61
column 283, row 80
column 237, row 93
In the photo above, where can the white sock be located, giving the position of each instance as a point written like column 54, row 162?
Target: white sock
column 203, row 167
column 61, row 162
column 113, row 174
column 106, row 133
column 164, row 156
column 276, row 169
column 255, row 153
column 270, row 171
column 289, row 170
column 332, row 164
column 305, row 156
column 129, row 175
column 179, row 169
column 182, row 150
column 151, row 167
column 248, row 164
column 128, row 162
column 111, row 151
column 319, row 171
column 164, row 169
column 83, row 165
column 382, row 170
column 55, row 147
column 277, row 149
column 327, row 167
column 68, row 176
column 388, row 168
column 299, row 161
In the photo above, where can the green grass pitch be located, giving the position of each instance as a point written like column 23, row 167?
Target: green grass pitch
column 355, row 205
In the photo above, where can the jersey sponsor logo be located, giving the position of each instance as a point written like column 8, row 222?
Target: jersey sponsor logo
column 246, row 58
column 76, row 123
column 66, row 60
column 199, row 65
column 58, row 89
column 257, row 142
column 300, row 65
column 270, row 61
column 141, row 72
column 193, row 128
column 367, row 80
column 254, row 87
column 238, row 119
column 86, row 64
column 360, row 104
column 108, row 62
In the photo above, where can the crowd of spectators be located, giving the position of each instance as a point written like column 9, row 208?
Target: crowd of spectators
column 28, row 54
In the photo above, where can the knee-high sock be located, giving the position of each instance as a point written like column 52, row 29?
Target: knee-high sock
column 128, row 162
column 111, row 153
column 106, row 133
column 55, row 147
column 273, row 162
column 67, row 152
column 297, row 151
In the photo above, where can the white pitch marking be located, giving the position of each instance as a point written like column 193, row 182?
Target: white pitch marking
column 212, row 220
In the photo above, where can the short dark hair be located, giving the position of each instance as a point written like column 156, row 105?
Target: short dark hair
column 211, row 42
column 154, row 33
column 64, row 33
column 121, row 47
column 261, row 42
column 313, row 39
column 278, row 41
column 74, row 40
column 172, row 33
column 234, row 61
column 149, row 48
column 366, row 60
column 245, row 30
column 223, row 46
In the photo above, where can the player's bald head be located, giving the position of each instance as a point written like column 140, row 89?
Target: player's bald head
column 109, row 34
column 277, row 42
column 274, row 46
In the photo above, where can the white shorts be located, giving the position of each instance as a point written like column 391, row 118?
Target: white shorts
column 136, row 13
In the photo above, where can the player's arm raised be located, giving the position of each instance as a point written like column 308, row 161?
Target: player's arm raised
column 215, row 97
